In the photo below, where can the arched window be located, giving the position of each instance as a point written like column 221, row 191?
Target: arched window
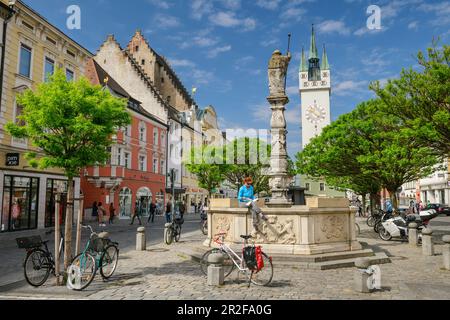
column 155, row 137
column 125, row 201
column 143, row 199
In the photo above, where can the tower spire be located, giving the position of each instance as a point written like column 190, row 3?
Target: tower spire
column 313, row 53
column 303, row 64
column 325, row 64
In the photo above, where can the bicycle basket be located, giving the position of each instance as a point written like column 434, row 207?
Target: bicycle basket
column 179, row 221
column 29, row 242
column 97, row 244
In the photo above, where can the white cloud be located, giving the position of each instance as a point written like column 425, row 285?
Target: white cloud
column 181, row 63
column 160, row 4
column 268, row 4
column 164, row 21
column 413, row 25
column 200, row 8
column 229, row 20
column 347, row 88
column 441, row 10
column 333, row 26
column 216, row 51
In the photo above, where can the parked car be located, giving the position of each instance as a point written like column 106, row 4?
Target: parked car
column 441, row 209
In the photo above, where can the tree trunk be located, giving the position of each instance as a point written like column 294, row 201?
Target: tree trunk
column 364, row 204
column 69, row 222
column 393, row 195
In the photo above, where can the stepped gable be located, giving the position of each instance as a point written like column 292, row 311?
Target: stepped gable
column 138, row 69
column 98, row 75
column 172, row 74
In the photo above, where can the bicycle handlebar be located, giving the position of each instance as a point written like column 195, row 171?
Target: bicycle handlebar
column 88, row 227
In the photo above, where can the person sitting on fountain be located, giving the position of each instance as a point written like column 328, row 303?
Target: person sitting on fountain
column 247, row 193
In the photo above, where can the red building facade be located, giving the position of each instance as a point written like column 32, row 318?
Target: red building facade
column 135, row 174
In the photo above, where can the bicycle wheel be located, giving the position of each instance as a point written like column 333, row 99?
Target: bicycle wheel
column 371, row 221
column 177, row 232
column 265, row 275
column 228, row 263
column 108, row 261
column 37, row 268
column 87, row 267
column 168, row 235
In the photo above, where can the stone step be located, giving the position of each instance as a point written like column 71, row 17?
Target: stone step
column 320, row 262
column 378, row 258
column 325, row 257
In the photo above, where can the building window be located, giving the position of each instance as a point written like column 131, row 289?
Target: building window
column 29, row 26
column 142, row 132
column 143, row 62
column 51, row 41
column 136, row 48
column 155, row 165
column 119, row 156
column 127, row 160
column 70, row 53
column 53, row 187
column 155, row 137
column 25, row 61
column 125, row 198
column 307, row 186
column 322, row 187
column 142, row 163
column 162, row 167
column 20, row 203
column 162, row 80
column 69, row 75
column 163, row 139
column 49, row 68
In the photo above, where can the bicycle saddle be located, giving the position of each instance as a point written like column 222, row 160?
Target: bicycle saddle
column 246, row 237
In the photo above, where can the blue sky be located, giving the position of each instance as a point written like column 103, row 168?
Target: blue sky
column 222, row 47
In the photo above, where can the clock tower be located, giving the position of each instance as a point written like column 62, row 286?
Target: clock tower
column 315, row 91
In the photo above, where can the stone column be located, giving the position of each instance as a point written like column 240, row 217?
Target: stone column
column 216, row 275
column 412, row 234
column 427, row 242
column 141, row 243
column 446, row 252
column 279, row 180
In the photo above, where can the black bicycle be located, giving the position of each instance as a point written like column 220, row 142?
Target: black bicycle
column 39, row 262
column 172, row 231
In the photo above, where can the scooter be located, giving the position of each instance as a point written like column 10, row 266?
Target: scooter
column 397, row 227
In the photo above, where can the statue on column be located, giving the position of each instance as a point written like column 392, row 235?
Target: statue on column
column 278, row 66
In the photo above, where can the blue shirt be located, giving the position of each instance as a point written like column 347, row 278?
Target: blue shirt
column 245, row 192
column 389, row 206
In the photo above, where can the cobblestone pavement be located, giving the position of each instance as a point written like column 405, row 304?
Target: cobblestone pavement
column 165, row 273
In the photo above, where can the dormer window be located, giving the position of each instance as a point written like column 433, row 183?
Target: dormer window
column 136, row 49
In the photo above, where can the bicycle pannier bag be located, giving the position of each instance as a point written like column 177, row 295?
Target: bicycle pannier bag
column 250, row 258
column 259, row 258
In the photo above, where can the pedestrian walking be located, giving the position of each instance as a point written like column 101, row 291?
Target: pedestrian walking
column 137, row 214
column 182, row 209
column 112, row 212
column 101, row 214
column 169, row 211
column 152, row 212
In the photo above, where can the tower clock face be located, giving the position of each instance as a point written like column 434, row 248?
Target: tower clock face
column 315, row 114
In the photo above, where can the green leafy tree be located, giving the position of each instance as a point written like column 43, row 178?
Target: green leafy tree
column 422, row 99
column 71, row 124
column 365, row 150
column 248, row 157
column 205, row 163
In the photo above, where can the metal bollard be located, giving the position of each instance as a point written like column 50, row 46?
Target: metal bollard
column 446, row 252
column 427, row 242
column 216, row 274
column 141, row 243
column 413, row 234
